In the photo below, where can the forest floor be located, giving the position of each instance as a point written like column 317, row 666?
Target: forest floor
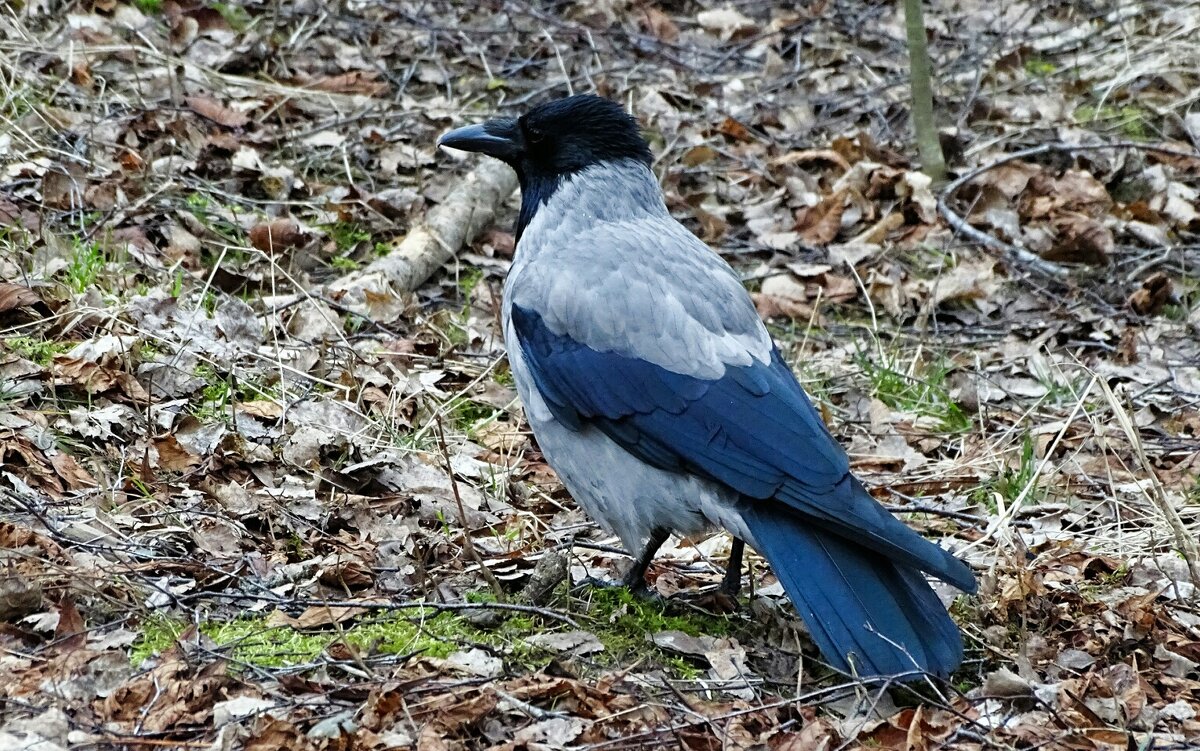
column 243, row 508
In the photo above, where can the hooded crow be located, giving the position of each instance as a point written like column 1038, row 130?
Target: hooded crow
column 659, row 398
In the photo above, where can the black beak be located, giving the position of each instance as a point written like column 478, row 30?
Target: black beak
column 498, row 138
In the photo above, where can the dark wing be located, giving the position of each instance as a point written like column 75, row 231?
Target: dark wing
column 752, row 429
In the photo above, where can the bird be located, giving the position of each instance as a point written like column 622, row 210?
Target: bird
column 659, row 398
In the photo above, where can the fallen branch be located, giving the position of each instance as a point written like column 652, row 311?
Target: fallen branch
column 454, row 222
column 1016, row 254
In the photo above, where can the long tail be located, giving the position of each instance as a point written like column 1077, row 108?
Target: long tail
column 868, row 615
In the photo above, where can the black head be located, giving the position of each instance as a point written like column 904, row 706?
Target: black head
column 557, row 138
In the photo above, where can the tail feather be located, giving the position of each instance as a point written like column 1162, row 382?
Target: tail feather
column 867, row 614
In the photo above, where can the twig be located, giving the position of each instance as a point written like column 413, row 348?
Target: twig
column 468, row 543
column 534, row 712
column 1016, row 254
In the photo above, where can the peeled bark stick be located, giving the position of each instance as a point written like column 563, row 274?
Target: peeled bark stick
column 454, row 222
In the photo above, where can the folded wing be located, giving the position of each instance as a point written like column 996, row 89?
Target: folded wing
column 752, row 428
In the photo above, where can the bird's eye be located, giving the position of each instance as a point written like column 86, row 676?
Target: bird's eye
column 533, row 135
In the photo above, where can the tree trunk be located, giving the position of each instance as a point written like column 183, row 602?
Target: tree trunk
column 932, row 161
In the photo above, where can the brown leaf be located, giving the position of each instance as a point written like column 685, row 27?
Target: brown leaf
column 71, row 632
column 812, row 155
column 62, row 187
column 16, row 296
column 276, row 236
column 173, row 457
column 1149, row 299
column 211, row 109
column 96, row 379
column 19, row 596
column 1081, row 239
column 354, row 82
column 81, row 75
column 698, row 155
column 1010, row 179
column 347, row 575
column 264, row 408
column 819, row 224
column 713, row 227
column 73, row 475
column 735, row 130
column 785, row 296
column 271, row 734
column 660, row 25
column 317, row 616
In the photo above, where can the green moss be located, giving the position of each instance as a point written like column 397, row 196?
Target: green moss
column 342, row 263
column 1130, row 120
column 347, row 236
column 252, row 641
column 234, row 15
column 503, row 375
column 149, row 7
column 214, row 396
column 468, row 416
column 37, row 350
column 624, row 623
column 468, row 280
column 1039, row 67
column 197, row 202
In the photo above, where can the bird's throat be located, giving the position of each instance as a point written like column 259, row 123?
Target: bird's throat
column 535, row 192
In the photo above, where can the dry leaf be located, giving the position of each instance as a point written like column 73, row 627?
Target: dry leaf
column 16, row 296
column 735, row 130
column 211, row 109
column 353, row 82
column 818, row 225
column 725, row 22
column 71, row 632
column 276, row 236
column 660, row 25
column 1081, row 240
column 1149, row 299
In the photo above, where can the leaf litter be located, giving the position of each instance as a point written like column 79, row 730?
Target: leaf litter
column 228, row 518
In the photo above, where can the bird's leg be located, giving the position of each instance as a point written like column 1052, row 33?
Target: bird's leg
column 635, row 578
column 731, row 584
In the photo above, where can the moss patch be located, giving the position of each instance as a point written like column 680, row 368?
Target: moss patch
column 255, row 642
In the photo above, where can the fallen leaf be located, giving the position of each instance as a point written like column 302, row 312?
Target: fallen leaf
column 1081, row 239
column 365, row 83
column 571, row 642
column 725, row 22
column 1149, row 299
column 735, row 130
column 660, row 25
column 16, row 296
column 819, row 224
column 211, row 109
column 71, row 632
column 276, row 236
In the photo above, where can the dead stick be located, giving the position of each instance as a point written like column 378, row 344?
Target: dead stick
column 448, row 226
